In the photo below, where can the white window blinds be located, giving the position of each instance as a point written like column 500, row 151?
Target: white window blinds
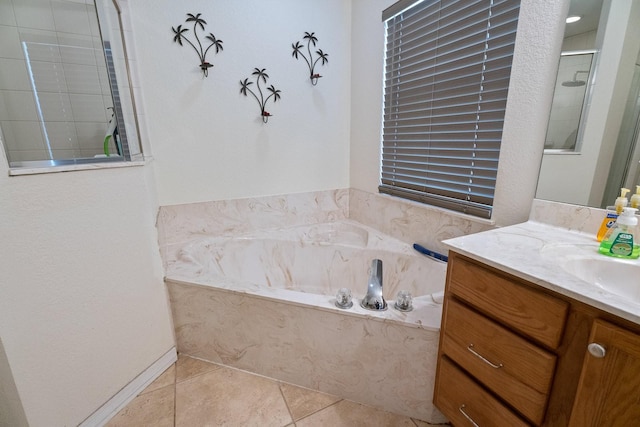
column 446, row 79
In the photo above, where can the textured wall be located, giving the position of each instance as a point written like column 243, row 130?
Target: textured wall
column 208, row 140
column 530, row 93
column 83, row 308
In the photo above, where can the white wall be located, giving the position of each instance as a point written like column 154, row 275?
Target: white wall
column 530, row 92
column 83, row 308
column 208, row 140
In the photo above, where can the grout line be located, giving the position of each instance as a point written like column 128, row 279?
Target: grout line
column 286, row 404
column 322, row 409
column 175, row 394
column 216, row 367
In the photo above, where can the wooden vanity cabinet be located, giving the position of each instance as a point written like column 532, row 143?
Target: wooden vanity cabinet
column 512, row 353
column 609, row 389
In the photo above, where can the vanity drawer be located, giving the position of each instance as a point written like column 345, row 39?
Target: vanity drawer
column 537, row 315
column 518, row 371
column 459, row 397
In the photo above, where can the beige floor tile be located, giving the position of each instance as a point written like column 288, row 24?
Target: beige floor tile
column 188, row 367
column 226, row 397
column 303, row 402
column 150, row 409
column 350, row 414
column 168, row 377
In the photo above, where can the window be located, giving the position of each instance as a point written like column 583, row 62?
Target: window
column 66, row 95
column 447, row 69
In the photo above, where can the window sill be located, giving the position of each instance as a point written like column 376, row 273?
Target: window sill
column 41, row 168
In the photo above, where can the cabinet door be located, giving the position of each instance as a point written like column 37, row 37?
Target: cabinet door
column 608, row 391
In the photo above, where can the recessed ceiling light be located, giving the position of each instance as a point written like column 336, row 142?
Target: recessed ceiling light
column 572, row 19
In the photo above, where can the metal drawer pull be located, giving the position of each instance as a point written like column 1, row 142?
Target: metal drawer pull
column 461, row 409
column 493, row 365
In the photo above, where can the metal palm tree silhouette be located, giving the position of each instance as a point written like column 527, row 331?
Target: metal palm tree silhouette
column 180, row 35
column 311, row 63
column 274, row 93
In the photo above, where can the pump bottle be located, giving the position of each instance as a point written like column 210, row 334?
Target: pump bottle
column 612, row 214
column 622, row 239
column 635, row 199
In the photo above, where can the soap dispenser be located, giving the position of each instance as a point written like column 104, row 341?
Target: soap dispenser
column 622, row 239
column 612, row 214
column 635, row 199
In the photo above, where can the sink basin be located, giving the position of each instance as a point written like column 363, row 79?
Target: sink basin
column 620, row 277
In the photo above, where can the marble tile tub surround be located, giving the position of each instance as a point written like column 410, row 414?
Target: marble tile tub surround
column 412, row 222
column 583, row 219
column 405, row 220
column 181, row 223
column 378, row 363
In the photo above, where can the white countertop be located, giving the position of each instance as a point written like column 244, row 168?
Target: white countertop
column 534, row 252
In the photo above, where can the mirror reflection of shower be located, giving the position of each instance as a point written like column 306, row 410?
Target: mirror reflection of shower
column 627, row 152
column 570, row 99
column 575, row 82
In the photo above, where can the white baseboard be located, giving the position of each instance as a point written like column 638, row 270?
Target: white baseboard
column 107, row 411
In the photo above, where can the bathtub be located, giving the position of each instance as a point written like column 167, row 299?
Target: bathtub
column 264, row 302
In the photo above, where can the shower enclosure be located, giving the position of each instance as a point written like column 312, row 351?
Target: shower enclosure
column 65, row 96
column 570, row 101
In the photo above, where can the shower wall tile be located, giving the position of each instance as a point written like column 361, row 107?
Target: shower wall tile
column 48, row 76
column 55, row 107
column 4, row 112
column 13, row 74
column 10, row 43
column 27, row 155
column 90, row 134
column 20, row 105
column 366, row 360
column 7, row 17
column 70, row 17
column 88, row 108
column 65, row 154
column 411, row 222
column 29, row 133
column 94, row 26
column 34, row 14
column 62, row 135
column 82, row 79
column 75, row 54
column 180, row 223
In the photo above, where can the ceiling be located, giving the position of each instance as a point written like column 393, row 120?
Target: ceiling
column 589, row 11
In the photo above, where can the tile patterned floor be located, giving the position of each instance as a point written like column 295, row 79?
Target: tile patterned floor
column 194, row 393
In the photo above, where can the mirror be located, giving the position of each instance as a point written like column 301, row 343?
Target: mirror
column 606, row 154
column 65, row 96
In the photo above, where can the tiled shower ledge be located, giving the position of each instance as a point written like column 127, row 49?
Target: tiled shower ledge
column 79, row 167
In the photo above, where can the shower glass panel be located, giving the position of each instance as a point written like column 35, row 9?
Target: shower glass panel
column 64, row 88
column 570, row 100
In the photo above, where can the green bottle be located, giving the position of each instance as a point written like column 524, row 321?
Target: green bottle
column 622, row 240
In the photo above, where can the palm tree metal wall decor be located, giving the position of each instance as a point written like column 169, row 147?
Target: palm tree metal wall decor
column 262, row 101
column 180, row 35
column 311, row 63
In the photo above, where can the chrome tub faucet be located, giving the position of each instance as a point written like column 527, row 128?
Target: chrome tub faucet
column 374, row 300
